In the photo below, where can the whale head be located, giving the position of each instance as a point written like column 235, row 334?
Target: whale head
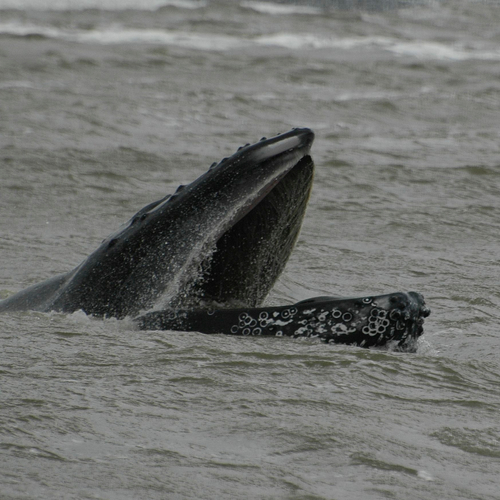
column 223, row 238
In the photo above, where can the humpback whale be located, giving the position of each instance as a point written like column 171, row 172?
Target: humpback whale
column 204, row 259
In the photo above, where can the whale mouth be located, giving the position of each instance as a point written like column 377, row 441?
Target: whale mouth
column 250, row 255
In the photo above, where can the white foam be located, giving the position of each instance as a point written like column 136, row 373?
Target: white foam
column 414, row 48
column 99, row 4
column 197, row 41
column 280, row 9
column 117, row 35
column 15, row 28
column 434, row 50
column 422, row 474
column 17, row 84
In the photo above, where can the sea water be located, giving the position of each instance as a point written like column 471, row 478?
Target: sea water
column 107, row 105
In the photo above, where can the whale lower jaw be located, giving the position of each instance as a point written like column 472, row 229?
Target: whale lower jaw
column 394, row 319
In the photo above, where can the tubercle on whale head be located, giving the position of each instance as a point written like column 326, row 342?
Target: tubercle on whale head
column 265, row 161
column 238, row 168
column 297, row 140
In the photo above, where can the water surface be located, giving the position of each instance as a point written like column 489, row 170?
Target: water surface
column 105, row 107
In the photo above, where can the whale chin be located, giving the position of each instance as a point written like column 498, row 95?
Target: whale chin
column 394, row 320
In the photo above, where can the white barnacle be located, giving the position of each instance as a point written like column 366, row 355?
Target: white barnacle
column 370, row 330
column 282, row 323
column 322, row 317
column 303, row 331
column 336, row 313
column 347, row 316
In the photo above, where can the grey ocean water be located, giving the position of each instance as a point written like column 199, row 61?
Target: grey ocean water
column 106, row 106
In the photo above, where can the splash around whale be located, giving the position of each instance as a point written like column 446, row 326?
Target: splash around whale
column 204, row 259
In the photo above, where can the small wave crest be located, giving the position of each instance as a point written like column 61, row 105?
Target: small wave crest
column 203, row 41
column 61, row 5
column 280, row 9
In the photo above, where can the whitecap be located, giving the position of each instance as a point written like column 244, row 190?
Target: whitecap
column 280, row 9
column 100, row 4
column 415, row 48
column 422, row 474
column 116, row 34
column 198, row 41
column 440, row 51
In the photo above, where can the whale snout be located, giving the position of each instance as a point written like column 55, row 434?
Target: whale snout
column 408, row 309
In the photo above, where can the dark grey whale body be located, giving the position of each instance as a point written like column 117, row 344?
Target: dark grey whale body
column 208, row 255
column 224, row 238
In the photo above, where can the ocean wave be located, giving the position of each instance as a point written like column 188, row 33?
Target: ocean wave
column 419, row 49
column 279, row 8
column 413, row 48
column 266, row 7
column 62, row 5
column 196, row 41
